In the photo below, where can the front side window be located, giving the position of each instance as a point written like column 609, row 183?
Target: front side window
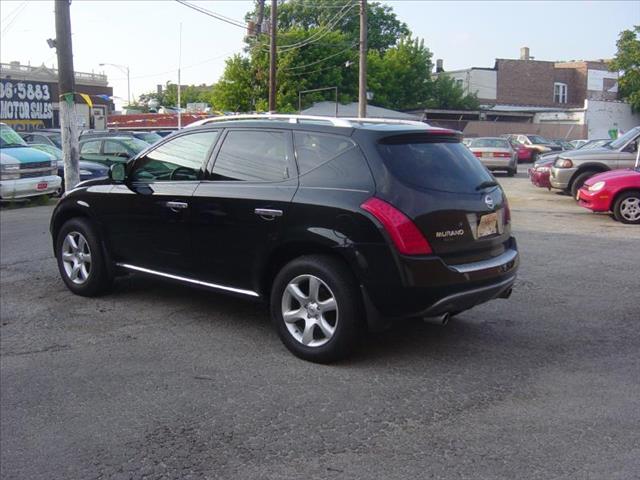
column 560, row 92
column 178, row 159
column 252, row 156
column 90, row 148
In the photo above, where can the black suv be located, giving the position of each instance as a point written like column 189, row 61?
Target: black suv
column 339, row 224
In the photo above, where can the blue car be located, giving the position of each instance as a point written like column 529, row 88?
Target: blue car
column 88, row 170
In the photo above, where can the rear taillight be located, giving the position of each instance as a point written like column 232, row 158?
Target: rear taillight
column 403, row 232
column 477, row 154
column 507, row 212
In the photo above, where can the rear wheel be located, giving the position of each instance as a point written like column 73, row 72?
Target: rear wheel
column 626, row 208
column 80, row 258
column 315, row 306
column 534, row 156
column 579, row 181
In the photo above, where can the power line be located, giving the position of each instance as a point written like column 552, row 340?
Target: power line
column 215, row 15
column 16, row 13
column 321, row 60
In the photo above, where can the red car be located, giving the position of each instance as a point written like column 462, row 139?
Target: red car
column 524, row 154
column 540, row 172
column 617, row 191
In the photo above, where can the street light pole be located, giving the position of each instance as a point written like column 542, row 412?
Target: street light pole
column 272, row 56
column 124, row 69
column 362, row 81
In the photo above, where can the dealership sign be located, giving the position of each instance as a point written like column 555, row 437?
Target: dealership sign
column 25, row 101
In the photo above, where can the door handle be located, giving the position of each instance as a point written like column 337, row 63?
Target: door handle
column 267, row 213
column 176, row 206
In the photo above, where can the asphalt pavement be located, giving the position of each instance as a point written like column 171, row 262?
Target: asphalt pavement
column 156, row 380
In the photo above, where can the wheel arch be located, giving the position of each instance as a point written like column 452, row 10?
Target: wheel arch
column 588, row 167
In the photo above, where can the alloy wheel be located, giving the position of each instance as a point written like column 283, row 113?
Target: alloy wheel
column 310, row 310
column 630, row 209
column 76, row 257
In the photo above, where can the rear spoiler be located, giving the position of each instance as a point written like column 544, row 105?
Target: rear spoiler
column 427, row 136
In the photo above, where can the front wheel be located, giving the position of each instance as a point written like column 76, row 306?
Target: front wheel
column 315, row 306
column 626, row 208
column 579, row 181
column 80, row 258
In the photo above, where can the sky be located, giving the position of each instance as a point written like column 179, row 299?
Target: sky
column 144, row 35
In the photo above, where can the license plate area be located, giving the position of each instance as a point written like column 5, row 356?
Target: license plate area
column 488, row 225
column 42, row 186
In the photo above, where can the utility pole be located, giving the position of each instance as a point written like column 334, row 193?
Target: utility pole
column 272, row 56
column 362, row 81
column 260, row 18
column 179, row 80
column 66, row 88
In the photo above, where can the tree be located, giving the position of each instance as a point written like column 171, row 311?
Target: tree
column 447, row 94
column 400, row 77
column 384, row 28
column 627, row 61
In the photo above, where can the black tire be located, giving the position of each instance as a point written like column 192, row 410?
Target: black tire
column 534, row 157
column 579, row 181
column 339, row 282
column 625, row 198
column 98, row 280
column 511, row 172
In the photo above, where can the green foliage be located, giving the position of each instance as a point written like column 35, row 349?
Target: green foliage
column 384, row 28
column 627, row 60
column 447, row 94
column 400, row 77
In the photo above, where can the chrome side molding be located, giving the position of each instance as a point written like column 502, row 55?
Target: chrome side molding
column 249, row 293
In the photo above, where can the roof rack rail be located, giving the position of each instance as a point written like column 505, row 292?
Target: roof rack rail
column 293, row 118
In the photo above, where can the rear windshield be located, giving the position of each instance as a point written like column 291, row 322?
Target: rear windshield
column 444, row 166
column 490, row 143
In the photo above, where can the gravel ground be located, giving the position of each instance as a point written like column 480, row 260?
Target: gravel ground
column 159, row 381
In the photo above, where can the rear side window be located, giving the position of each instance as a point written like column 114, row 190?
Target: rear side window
column 252, row 156
column 441, row 165
column 90, row 148
column 313, row 150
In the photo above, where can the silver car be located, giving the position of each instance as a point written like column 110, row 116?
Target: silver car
column 495, row 153
column 573, row 168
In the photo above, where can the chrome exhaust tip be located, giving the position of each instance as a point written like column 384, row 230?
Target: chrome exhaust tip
column 440, row 320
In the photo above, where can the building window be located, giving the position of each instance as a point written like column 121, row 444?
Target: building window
column 460, row 82
column 560, row 92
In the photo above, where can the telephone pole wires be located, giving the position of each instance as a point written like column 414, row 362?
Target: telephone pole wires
column 362, row 81
column 66, row 87
column 272, row 56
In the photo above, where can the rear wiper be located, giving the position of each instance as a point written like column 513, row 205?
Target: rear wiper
column 487, row 183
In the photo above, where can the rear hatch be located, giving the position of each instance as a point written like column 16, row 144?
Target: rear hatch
column 449, row 195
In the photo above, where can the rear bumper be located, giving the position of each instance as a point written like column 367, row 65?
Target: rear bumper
column 28, row 187
column 496, row 164
column 540, row 179
column 431, row 287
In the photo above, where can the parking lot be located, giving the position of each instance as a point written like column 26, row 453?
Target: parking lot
column 156, row 380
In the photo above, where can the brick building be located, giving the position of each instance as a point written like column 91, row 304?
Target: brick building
column 535, row 83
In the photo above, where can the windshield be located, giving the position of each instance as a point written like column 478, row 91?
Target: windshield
column 622, row 141
column 135, row 144
column 149, row 137
column 444, row 166
column 56, row 139
column 490, row 143
column 9, row 138
column 538, row 140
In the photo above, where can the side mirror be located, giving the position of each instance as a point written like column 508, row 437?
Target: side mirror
column 117, row 172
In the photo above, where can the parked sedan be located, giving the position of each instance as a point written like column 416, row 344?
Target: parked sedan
column 540, row 172
column 148, row 136
column 110, row 150
column 495, row 153
column 535, row 143
column 617, row 191
column 573, row 168
column 87, row 170
column 43, row 137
